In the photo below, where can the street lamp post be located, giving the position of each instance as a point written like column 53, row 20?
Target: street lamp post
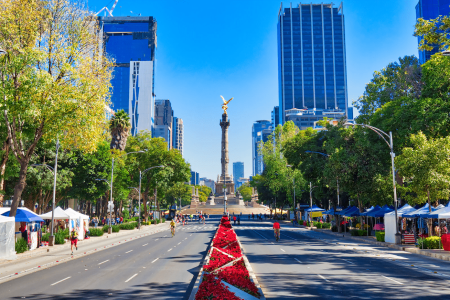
column 140, row 179
column 111, row 185
column 390, row 144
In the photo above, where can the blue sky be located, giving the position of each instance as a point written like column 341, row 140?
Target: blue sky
column 212, row 48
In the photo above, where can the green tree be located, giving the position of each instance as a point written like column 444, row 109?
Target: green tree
column 246, row 191
column 57, row 82
column 120, row 127
column 425, row 168
column 179, row 191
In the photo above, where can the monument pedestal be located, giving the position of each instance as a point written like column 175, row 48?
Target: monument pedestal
column 211, row 200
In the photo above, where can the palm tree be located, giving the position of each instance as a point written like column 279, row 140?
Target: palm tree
column 120, row 128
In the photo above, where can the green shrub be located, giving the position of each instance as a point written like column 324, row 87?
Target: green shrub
column 354, row 232
column 115, row 228
column 326, row 225
column 105, row 228
column 135, row 218
column 380, row 236
column 318, row 224
column 125, row 214
column 334, row 228
column 45, row 237
column 432, row 242
column 128, row 226
column 60, row 238
column 307, row 224
column 21, row 246
column 95, row 232
column 362, row 232
column 163, row 220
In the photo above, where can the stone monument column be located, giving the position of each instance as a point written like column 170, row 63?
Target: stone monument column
column 225, row 123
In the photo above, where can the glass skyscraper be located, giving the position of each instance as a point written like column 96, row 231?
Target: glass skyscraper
column 311, row 63
column 260, row 132
column 238, row 172
column 430, row 9
column 131, row 42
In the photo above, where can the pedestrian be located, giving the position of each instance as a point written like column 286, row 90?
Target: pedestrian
column 234, row 219
column 253, row 216
column 121, row 220
column 117, row 220
column 239, row 219
column 73, row 240
column 249, row 216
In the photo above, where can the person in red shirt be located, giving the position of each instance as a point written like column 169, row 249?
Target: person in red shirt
column 276, row 229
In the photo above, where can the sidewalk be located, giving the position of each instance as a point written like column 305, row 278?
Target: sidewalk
column 45, row 257
column 434, row 253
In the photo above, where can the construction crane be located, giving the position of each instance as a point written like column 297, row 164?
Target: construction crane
column 107, row 10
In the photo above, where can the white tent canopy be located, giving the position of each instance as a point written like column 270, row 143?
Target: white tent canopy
column 74, row 212
column 389, row 222
column 7, row 241
column 59, row 214
column 77, row 222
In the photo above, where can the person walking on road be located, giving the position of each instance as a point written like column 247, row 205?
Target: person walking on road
column 73, row 240
column 234, row 219
column 239, row 219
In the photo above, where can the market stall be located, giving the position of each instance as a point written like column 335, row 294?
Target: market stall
column 59, row 216
column 7, row 243
column 390, row 224
column 27, row 226
column 77, row 221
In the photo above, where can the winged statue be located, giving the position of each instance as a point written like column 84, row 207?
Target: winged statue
column 225, row 106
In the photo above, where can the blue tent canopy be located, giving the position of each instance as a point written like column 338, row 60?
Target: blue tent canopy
column 374, row 212
column 344, row 211
column 375, row 209
column 354, row 212
column 330, row 212
column 421, row 212
column 23, row 215
column 314, row 208
column 380, row 213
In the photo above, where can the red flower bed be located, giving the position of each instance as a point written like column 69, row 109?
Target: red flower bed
column 212, row 288
column 238, row 275
column 217, row 260
column 233, row 249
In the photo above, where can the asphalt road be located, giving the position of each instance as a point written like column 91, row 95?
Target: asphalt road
column 156, row 266
column 311, row 265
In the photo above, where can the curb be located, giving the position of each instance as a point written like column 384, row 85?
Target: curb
column 392, row 246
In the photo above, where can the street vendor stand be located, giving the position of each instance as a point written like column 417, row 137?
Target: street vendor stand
column 33, row 225
column 78, row 221
column 443, row 216
column 390, row 224
column 7, row 243
column 59, row 215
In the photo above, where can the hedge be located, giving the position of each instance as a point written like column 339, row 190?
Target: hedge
column 95, row 232
column 21, row 246
column 326, row 225
column 60, row 238
column 380, row 236
column 128, row 226
column 432, row 242
column 45, row 237
column 357, row 232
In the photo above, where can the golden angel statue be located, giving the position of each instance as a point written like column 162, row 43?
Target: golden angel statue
column 225, row 106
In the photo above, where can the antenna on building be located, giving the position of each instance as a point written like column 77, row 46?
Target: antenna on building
column 107, row 10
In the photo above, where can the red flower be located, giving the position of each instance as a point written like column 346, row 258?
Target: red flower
column 213, row 288
column 217, row 260
column 238, row 276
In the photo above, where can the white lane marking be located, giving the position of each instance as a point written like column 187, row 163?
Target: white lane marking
column 347, row 261
column 60, row 281
column 144, row 245
column 323, row 278
column 131, row 277
column 179, row 243
column 392, row 279
column 260, row 234
column 103, row 262
column 191, row 235
column 298, row 260
column 128, row 251
column 282, row 250
column 155, row 260
column 165, row 236
column 169, row 250
column 156, row 240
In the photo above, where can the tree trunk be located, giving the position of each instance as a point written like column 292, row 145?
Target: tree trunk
column 3, row 169
column 430, row 225
column 20, row 186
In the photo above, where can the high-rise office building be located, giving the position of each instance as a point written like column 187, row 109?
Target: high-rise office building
column 131, row 42
column 311, row 64
column 260, row 131
column 238, row 172
column 430, row 9
column 177, row 140
column 164, row 121
column 275, row 119
column 195, row 180
column 209, row 183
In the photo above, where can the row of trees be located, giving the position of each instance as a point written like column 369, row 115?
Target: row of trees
column 408, row 99
column 55, row 86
